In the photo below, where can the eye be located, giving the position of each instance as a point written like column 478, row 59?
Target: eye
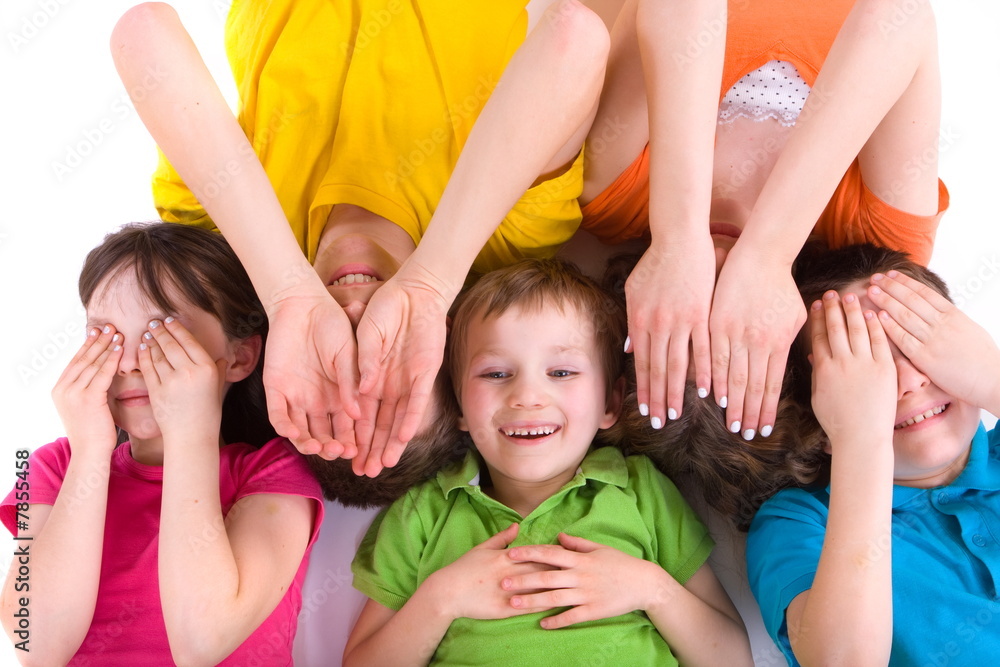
column 495, row 375
column 562, row 373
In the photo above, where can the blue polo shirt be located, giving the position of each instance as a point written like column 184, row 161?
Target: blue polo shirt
column 945, row 549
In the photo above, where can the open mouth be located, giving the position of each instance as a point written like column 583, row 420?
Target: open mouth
column 533, row 433
column 933, row 412
column 354, row 279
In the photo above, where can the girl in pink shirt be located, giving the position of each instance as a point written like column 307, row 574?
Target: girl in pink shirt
column 172, row 546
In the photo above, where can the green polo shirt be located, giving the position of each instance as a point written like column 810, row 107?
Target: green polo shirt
column 621, row 502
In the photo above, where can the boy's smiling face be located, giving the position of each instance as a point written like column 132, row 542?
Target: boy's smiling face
column 933, row 431
column 533, row 396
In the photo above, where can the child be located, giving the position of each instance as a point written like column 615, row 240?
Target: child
column 820, row 122
column 189, row 542
column 894, row 560
column 536, row 364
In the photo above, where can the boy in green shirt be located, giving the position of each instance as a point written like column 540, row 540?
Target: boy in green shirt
column 538, row 529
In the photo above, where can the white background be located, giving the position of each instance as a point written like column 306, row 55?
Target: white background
column 62, row 104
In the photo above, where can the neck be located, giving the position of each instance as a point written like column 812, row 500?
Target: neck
column 941, row 477
column 521, row 496
column 147, row 451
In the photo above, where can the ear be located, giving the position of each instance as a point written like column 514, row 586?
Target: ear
column 613, row 409
column 246, row 355
column 827, row 448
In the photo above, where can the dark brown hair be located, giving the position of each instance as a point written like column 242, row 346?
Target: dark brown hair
column 169, row 259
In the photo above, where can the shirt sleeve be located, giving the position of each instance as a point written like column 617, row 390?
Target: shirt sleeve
column 387, row 565
column 46, row 470
column 682, row 542
column 174, row 200
column 277, row 467
column 783, row 550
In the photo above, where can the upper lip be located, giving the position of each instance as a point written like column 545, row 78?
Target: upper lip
column 348, row 269
column 913, row 413
column 724, row 228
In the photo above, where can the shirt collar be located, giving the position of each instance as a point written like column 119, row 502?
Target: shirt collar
column 604, row 464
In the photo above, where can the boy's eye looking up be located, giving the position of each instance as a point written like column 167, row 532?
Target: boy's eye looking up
column 562, row 373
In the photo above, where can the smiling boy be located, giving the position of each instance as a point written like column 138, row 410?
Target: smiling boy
column 535, row 358
column 888, row 564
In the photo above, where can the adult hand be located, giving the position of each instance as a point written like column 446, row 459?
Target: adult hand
column 81, row 392
column 310, row 375
column 668, row 297
column 957, row 354
column 854, row 375
column 597, row 581
column 400, row 348
column 756, row 313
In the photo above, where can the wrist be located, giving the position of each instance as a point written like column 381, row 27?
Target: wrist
column 433, row 595
column 659, row 590
column 297, row 283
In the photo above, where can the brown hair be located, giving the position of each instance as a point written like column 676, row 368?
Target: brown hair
column 531, row 285
column 201, row 267
column 428, row 452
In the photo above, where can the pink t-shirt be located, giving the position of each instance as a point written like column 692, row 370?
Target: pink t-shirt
column 128, row 627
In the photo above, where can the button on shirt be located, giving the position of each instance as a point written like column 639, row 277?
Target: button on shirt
column 945, row 562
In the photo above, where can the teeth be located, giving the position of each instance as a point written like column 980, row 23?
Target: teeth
column 352, row 278
column 919, row 418
column 541, row 430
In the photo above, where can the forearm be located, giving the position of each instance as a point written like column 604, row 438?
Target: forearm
column 188, row 117
column 409, row 637
column 847, row 103
column 847, row 617
column 62, row 598
column 697, row 633
column 683, row 99
column 546, row 95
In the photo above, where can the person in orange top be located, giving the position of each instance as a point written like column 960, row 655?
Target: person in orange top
column 826, row 122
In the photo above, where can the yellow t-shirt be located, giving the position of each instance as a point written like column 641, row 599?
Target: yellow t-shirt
column 370, row 103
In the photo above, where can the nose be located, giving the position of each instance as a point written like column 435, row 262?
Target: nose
column 527, row 392
column 354, row 310
column 909, row 378
column 130, row 358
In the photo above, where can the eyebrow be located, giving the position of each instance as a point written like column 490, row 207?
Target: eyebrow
column 499, row 352
column 99, row 322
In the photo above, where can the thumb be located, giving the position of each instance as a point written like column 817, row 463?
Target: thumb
column 578, row 543
column 501, row 539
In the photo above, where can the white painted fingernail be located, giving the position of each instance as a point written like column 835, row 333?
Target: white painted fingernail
column 657, row 424
column 748, row 434
column 154, row 324
column 702, row 392
column 643, row 409
column 628, row 341
column 107, row 328
column 116, row 348
column 170, row 318
column 734, row 427
column 723, row 402
column 766, row 431
column 671, row 414
column 142, row 346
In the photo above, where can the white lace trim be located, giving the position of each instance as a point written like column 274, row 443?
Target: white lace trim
column 775, row 90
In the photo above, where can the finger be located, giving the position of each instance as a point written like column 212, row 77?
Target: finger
column 144, row 355
column 364, row 431
column 372, row 351
column 758, row 361
column 185, row 340
column 546, row 554
column 857, row 328
column 818, row 333
column 578, row 614
column 657, row 379
column 772, row 392
column 888, row 327
column 914, row 323
column 380, row 438
column 548, row 599
column 532, row 582
column 720, row 347
column 640, row 353
column 836, row 326
column 416, row 405
column 578, row 544
column 321, row 429
column 677, row 370
column 738, row 376
column 346, row 369
column 502, row 539
column 96, row 343
column 917, row 296
column 164, row 348
column 343, row 434
column 97, row 359
column 702, row 351
column 278, row 415
column 305, row 443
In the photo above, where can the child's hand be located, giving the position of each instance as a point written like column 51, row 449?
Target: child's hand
column 957, row 354
column 184, row 382
column 597, row 581
column 81, row 393
column 471, row 585
column 854, row 376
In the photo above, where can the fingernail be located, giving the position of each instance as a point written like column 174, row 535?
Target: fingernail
column 875, row 290
column 153, row 324
column 116, row 348
column 116, row 338
column 656, row 423
column 643, row 409
column 671, row 414
column 817, row 304
column 702, row 392
column 893, row 273
column 628, row 341
column 170, row 318
column 92, row 333
column 877, row 277
column 850, row 298
column 107, row 328
column 734, row 427
column 749, row 434
column 505, row 583
column 723, row 402
column 830, row 294
column 869, row 314
column 766, row 431
column 147, row 336
column 142, row 346
column 515, row 602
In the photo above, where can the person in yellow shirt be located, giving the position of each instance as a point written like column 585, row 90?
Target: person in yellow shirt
column 360, row 125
